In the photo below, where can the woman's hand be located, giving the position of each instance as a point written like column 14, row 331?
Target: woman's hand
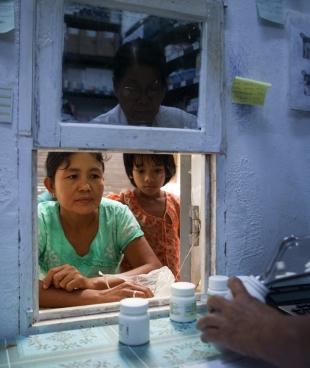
column 123, row 290
column 66, row 277
column 58, row 298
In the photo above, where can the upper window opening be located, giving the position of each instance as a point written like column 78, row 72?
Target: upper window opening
column 126, row 68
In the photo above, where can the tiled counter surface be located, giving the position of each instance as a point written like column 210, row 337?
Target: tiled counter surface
column 171, row 345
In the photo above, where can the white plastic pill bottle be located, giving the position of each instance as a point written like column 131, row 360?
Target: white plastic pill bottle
column 183, row 302
column 217, row 285
column 254, row 287
column 134, row 321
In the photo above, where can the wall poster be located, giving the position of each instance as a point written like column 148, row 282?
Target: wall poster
column 299, row 69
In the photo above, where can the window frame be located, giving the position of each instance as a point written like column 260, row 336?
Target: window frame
column 40, row 128
column 52, row 132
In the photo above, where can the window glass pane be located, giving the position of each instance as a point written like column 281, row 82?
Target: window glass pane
column 127, row 68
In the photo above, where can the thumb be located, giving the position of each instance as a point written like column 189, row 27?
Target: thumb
column 236, row 286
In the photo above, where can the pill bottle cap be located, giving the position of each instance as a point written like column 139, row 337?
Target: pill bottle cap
column 218, row 282
column 134, row 306
column 254, row 287
column 182, row 288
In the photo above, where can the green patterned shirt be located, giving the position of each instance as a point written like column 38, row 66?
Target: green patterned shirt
column 117, row 228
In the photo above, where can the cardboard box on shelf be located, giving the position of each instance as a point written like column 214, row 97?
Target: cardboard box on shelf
column 88, row 42
column 107, row 43
column 72, row 40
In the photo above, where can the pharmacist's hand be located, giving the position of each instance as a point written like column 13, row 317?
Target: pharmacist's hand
column 124, row 290
column 66, row 277
column 237, row 324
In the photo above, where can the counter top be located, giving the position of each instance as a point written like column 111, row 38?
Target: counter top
column 171, row 345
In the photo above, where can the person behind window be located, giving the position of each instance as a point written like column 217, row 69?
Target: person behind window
column 249, row 327
column 140, row 84
column 81, row 235
column 157, row 211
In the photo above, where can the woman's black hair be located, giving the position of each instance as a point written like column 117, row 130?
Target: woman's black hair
column 141, row 52
column 56, row 159
column 131, row 159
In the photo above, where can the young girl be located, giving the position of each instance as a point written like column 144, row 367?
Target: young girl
column 157, row 211
column 81, row 234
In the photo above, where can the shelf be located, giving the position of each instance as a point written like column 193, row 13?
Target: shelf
column 166, row 31
column 183, row 84
column 179, row 91
column 88, row 60
column 194, row 47
column 82, row 22
column 176, row 33
column 83, row 94
column 184, row 60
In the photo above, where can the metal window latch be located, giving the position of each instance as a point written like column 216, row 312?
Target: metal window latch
column 195, row 226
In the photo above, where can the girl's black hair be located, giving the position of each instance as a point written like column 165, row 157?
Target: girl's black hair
column 56, row 159
column 130, row 159
column 141, row 52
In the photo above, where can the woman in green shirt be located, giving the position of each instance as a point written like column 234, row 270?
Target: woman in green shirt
column 83, row 236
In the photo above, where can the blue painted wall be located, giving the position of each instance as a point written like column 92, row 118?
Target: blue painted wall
column 263, row 177
column 9, row 276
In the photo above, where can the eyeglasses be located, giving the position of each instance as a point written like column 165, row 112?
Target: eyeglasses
column 134, row 91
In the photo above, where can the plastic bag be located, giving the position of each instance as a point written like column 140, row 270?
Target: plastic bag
column 159, row 281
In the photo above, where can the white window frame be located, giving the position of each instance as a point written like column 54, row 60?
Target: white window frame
column 40, row 128
column 49, row 50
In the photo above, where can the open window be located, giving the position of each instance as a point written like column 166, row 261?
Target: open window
column 195, row 232
column 73, row 84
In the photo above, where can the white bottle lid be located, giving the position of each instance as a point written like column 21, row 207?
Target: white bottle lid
column 133, row 306
column 183, row 288
column 254, row 287
column 218, row 282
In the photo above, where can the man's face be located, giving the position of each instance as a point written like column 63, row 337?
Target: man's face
column 140, row 94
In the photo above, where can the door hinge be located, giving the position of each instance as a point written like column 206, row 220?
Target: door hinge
column 30, row 317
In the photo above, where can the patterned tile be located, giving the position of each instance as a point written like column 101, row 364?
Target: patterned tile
column 172, row 345
column 165, row 328
column 175, row 352
column 120, row 357
column 62, row 343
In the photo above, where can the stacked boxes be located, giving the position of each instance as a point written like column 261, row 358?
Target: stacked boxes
column 72, row 40
column 107, row 43
column 91, row 42
column 88, row 42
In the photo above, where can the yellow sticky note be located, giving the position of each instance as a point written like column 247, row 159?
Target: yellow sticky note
column 249, row 91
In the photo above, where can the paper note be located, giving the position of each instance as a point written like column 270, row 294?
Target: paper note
column 6, row 101
column 6, row 15
column 249, row 91
column 270, row 10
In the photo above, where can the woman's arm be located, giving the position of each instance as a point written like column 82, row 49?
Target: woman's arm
column 141, row 257
column 59, row 298
column 138, row 252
